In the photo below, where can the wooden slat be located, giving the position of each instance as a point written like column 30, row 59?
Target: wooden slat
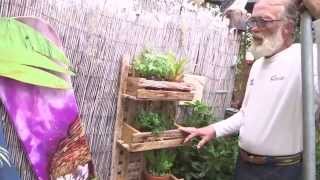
column 119, row 119
column 132, row 86
column 132, row 135
column 143, row 89
column 165, row 135
column 138, row 83
column 164, row 95
column 137, row 147
column 128, row 132
column 123, row 163
column 131, row 97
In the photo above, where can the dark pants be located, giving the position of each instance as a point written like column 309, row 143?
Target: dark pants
column 249, row 171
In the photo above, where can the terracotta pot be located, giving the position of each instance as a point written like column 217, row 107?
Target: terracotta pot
column 148, row 176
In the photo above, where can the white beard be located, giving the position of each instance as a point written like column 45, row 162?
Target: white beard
column 269, row 45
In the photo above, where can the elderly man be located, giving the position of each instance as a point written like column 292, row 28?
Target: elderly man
column 270, row 120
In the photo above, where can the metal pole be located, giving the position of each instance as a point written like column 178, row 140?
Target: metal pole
column 316, row 25
column 309, row 161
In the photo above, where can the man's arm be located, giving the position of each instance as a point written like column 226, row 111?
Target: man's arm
column 230, row 125
column 222, row 128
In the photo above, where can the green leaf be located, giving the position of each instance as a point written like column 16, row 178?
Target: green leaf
column 22, row 56
column 27, row 56
column 17, row 33
column 27, row 74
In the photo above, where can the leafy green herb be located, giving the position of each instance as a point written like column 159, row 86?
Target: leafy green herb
column 158, row 66
column 154, row 122
column 215, row 161
column 159, row 162
column 199, row 114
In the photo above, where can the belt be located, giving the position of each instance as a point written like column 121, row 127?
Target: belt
column 274, row 160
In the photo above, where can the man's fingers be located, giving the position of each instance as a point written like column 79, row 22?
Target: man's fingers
column 192, row 133
column 188, row 129
column 188, row 138
column 203, row 141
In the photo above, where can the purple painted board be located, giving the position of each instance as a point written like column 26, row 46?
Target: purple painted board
column 46, row 121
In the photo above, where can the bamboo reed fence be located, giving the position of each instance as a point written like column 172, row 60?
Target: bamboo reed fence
column 96, row 34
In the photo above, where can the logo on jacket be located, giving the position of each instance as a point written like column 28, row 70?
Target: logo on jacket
column 276, row 78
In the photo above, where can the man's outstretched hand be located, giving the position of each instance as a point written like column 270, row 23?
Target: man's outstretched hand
column 206, row 134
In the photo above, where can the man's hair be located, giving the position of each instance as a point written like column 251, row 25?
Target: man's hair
column 291, row 13
column 292, row 10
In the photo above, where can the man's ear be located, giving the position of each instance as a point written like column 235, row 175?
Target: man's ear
column 288, row 30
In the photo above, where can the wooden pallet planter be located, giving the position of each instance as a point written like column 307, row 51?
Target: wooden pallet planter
column 144, row 89
column 134, row 141
column 137, row 94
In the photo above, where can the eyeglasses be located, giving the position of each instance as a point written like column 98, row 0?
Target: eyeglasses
column 259, row 22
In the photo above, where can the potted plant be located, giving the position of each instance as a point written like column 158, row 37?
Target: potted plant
column 159, row 164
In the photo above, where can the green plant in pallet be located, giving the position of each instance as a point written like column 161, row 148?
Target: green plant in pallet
column 215, row 161
column 160, row 162
column 154, row 122
column 159, row 66
column 199, row 114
